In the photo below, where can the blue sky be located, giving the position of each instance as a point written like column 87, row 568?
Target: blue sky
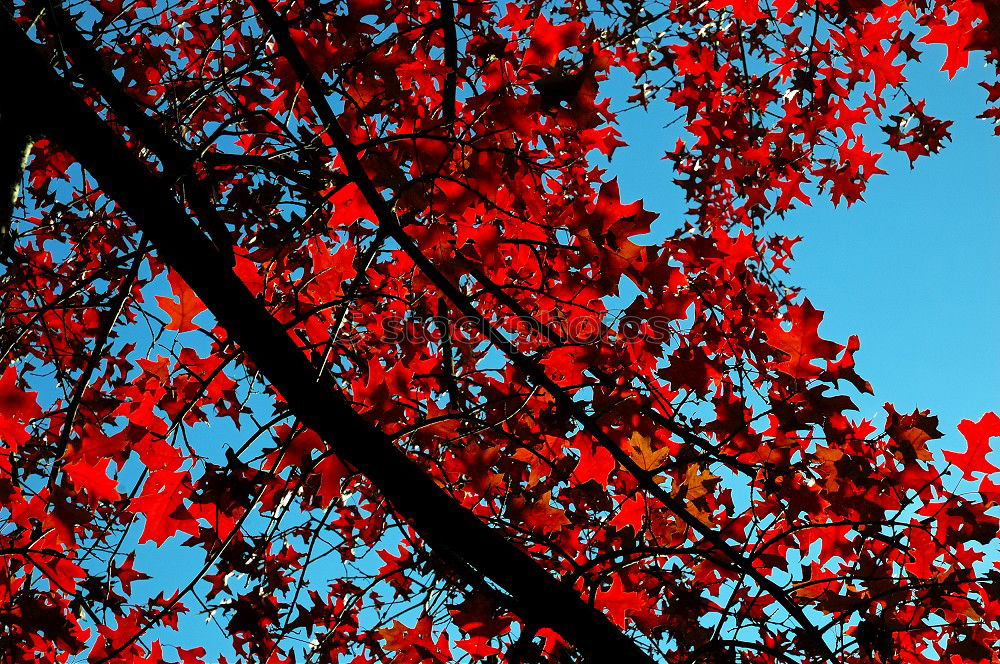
column 913, row 271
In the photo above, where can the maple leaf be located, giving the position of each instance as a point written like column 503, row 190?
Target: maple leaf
column 126, row 575
column 791, row 188
column 843, row 369
column 477, row 646
column 619, row 601
column 361, row 8
column 802, row 344
column 743, row 10
column 697, row 483
column 596, row 463
column 161, row 502
column 15, row 403
column 63, row 520
column 548, row 41
column 183, row 311
column 956, row 37
column 692, row 369
column 93, row 477
column 416, row 639
column 477, row 615
column 640, row 448
column 382, row 161
column 977, row 439
column 538, row 514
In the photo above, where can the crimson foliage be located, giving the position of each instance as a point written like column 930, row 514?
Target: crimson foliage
column 316, row 299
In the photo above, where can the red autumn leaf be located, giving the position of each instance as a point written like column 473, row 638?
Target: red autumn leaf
column 477, row 646
column 538, row 514
column 183, row 311
column 15, row 403
column 977, row 440
column 479, row 616
column 844, row 368
column 548, row 41
column 420, row 428
column 956, row 37
column 93, row 478
column 161, row 503
column 802, row 344
column 126, row 575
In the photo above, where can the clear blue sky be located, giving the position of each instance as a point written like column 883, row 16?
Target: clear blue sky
column 914, row 271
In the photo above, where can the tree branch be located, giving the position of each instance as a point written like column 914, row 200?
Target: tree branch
column 440, row 519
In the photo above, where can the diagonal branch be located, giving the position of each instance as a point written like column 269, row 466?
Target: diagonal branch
column 536, row 596
column 389, row 223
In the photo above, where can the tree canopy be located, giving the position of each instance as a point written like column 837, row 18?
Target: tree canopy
column 327, row 337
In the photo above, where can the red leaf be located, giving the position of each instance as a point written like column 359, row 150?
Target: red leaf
column 977, row 437
column 126, row 575
column 802, row 344
column 548, row 41
column 93, row 477
column 161, row 502
column 15, row 403
column 183, row 311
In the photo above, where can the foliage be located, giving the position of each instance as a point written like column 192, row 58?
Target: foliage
column 310, row 330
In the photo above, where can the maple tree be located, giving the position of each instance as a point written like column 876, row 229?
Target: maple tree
column 319, row 296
